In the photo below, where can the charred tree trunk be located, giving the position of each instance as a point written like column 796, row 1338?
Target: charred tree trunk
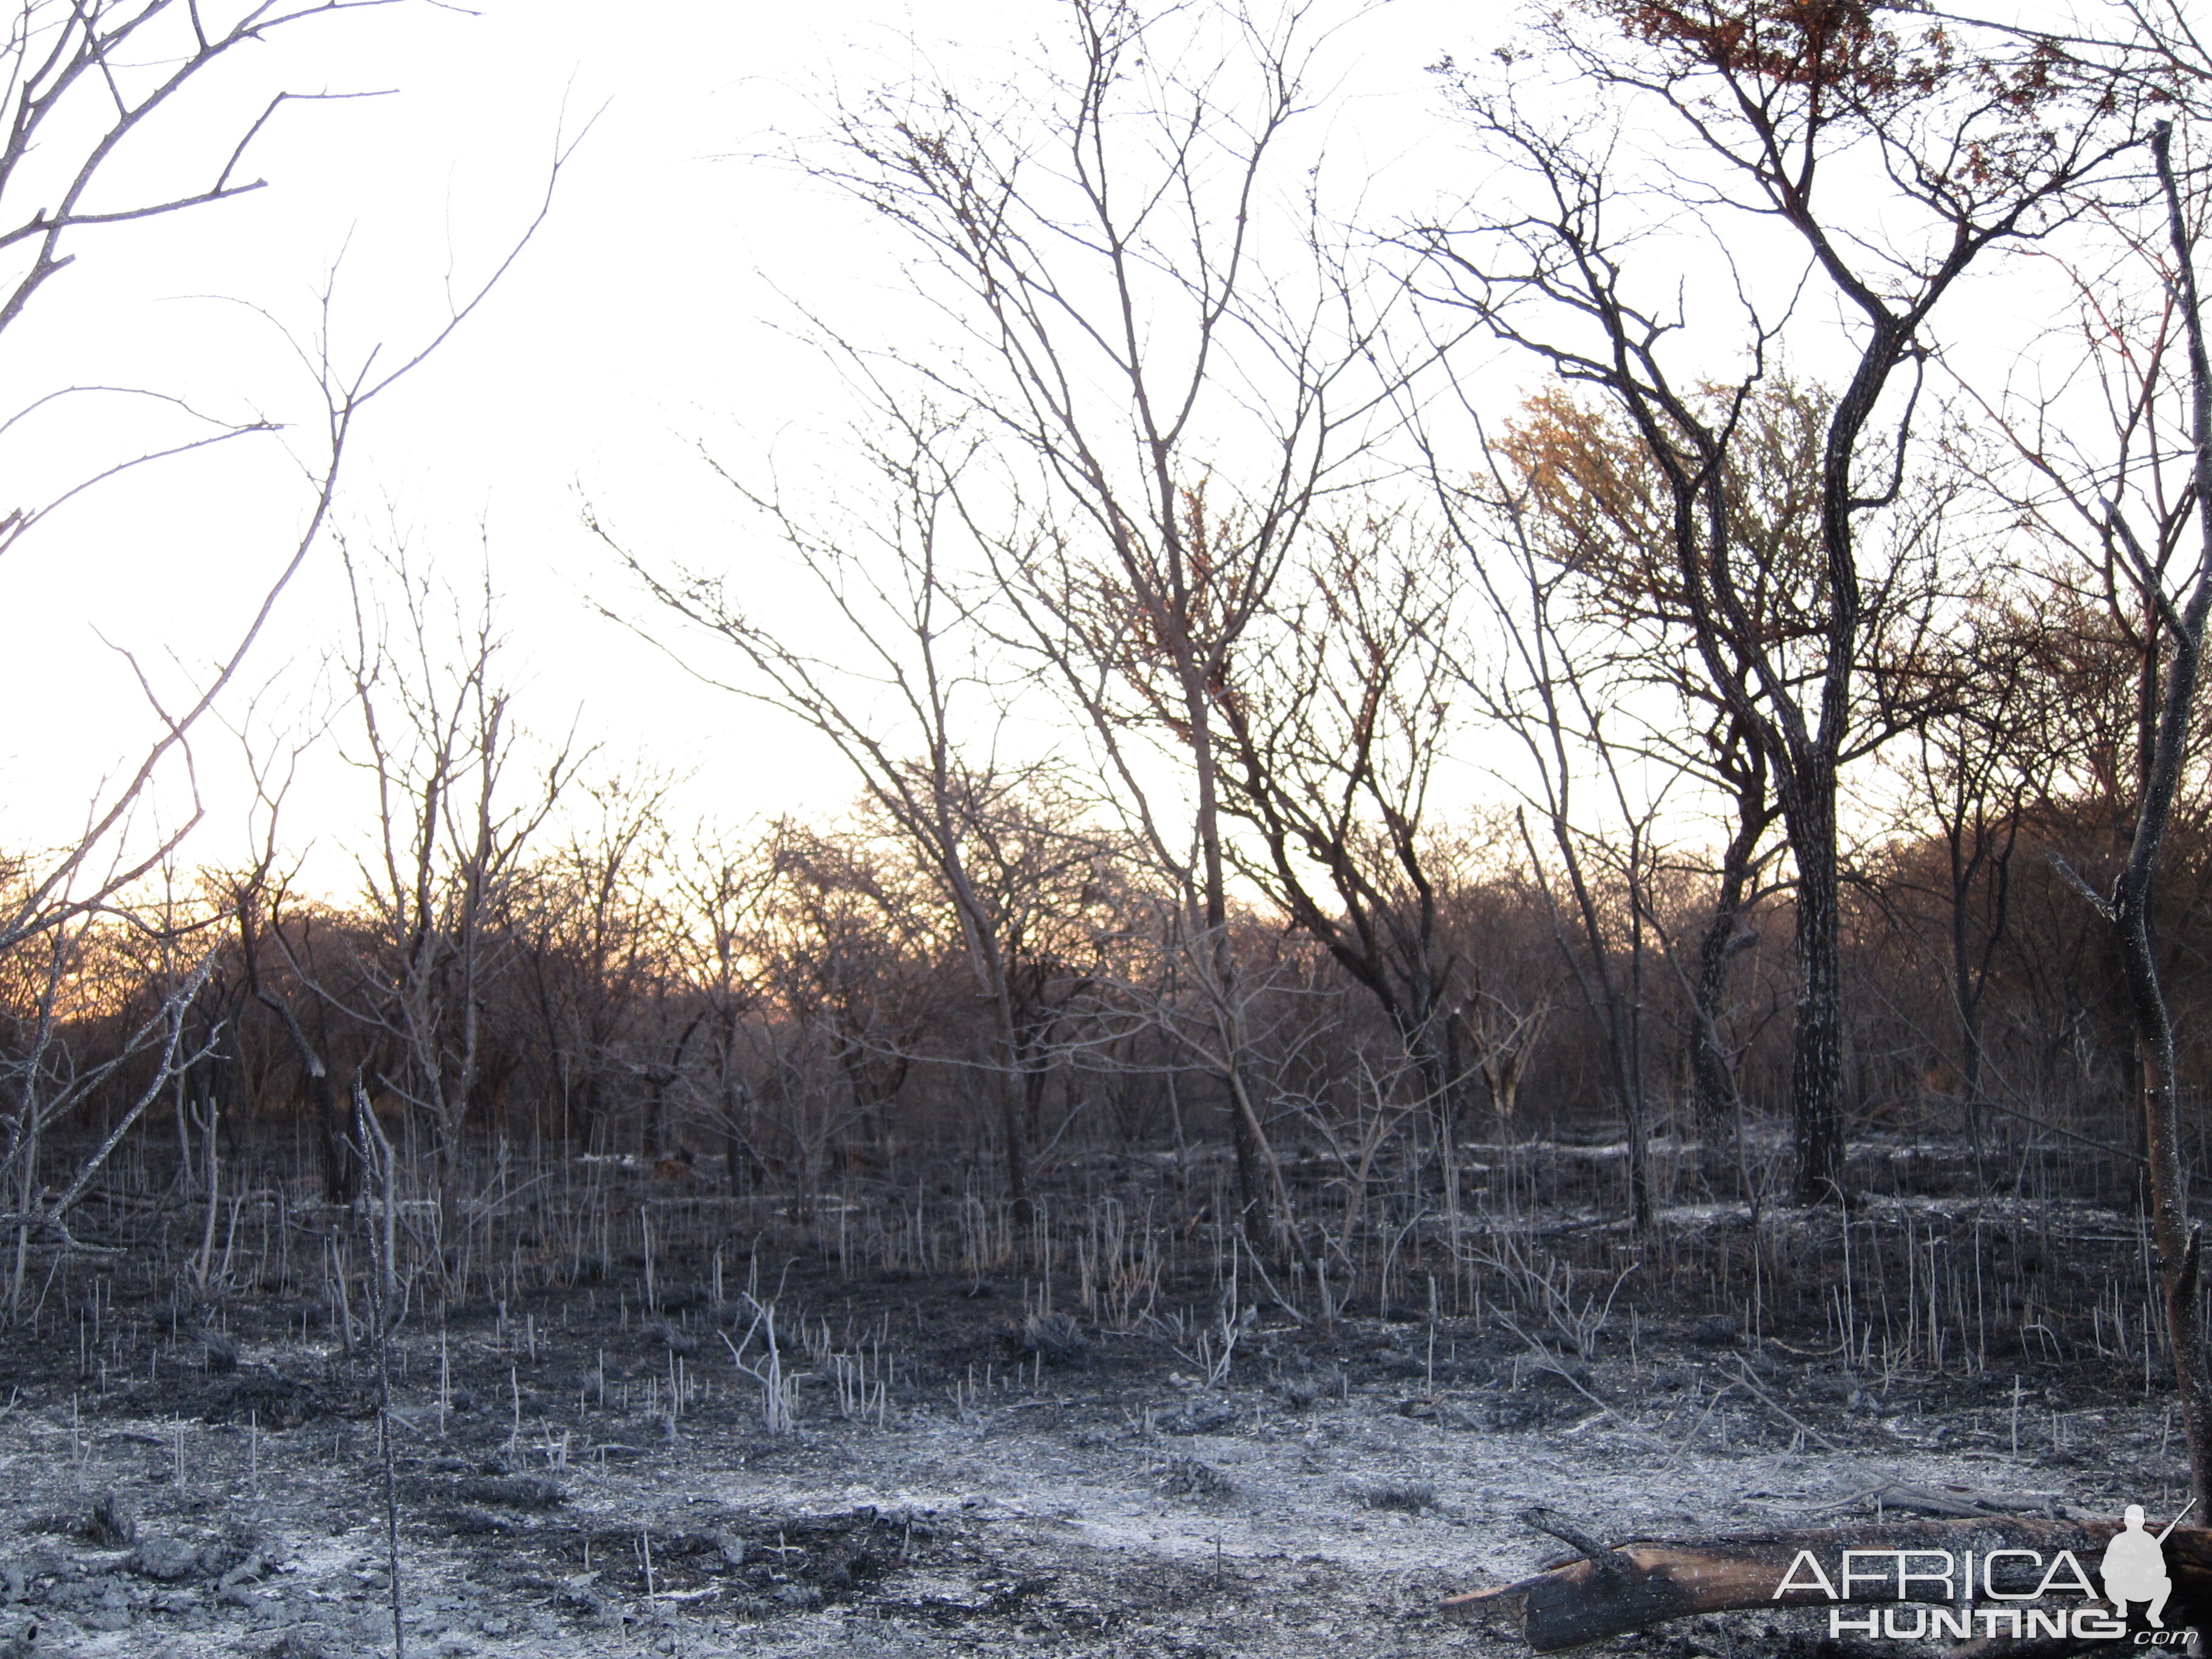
column 1816, row 1069
column 1011, row 1101
column 2177, row 1236
column 1252, row 1207
column 1712, row 1069
column 340, row 1162
column 341, row 1167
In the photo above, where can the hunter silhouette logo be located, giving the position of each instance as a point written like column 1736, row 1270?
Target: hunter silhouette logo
column 2134, row 1568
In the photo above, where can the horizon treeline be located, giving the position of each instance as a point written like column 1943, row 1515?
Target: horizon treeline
column 785, row 1005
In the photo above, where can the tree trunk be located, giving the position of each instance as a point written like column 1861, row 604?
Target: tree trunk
column 341, row 1166
column 1011, row 1090
column 1965, row 990
column 736, row 1156
column 1966, row 993
column 1712, row 1075
column 2178, row 1239
column 1816, row 1071
column 1247, row 1137
column 449, row 1193
column 1251, row 1192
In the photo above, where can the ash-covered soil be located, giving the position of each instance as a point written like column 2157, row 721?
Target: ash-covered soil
column 1103, row 1498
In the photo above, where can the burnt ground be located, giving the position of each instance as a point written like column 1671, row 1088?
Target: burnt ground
column 1100, row 1498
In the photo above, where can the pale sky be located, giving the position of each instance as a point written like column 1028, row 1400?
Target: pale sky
column 652, row 314
column 647, row 318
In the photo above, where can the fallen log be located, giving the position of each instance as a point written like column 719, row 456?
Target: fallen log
column 1645, row 1582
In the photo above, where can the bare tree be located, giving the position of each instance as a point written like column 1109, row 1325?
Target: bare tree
column 2133, row 500
column 598, row 942
column 1576, row 503
column 258, row 901
column 1171, row 370
column 1986, row 756
column 1803, row 118
column 1550, row 687
column 854, row 939
column 1574, row 489
column 906, row 699
column 455, row 811
column 724, row 889
column 87, row 90
column 47, row 1076
column 1342, row 711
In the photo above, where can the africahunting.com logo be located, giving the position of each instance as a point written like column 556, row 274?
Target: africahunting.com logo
column 1990, row 1592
